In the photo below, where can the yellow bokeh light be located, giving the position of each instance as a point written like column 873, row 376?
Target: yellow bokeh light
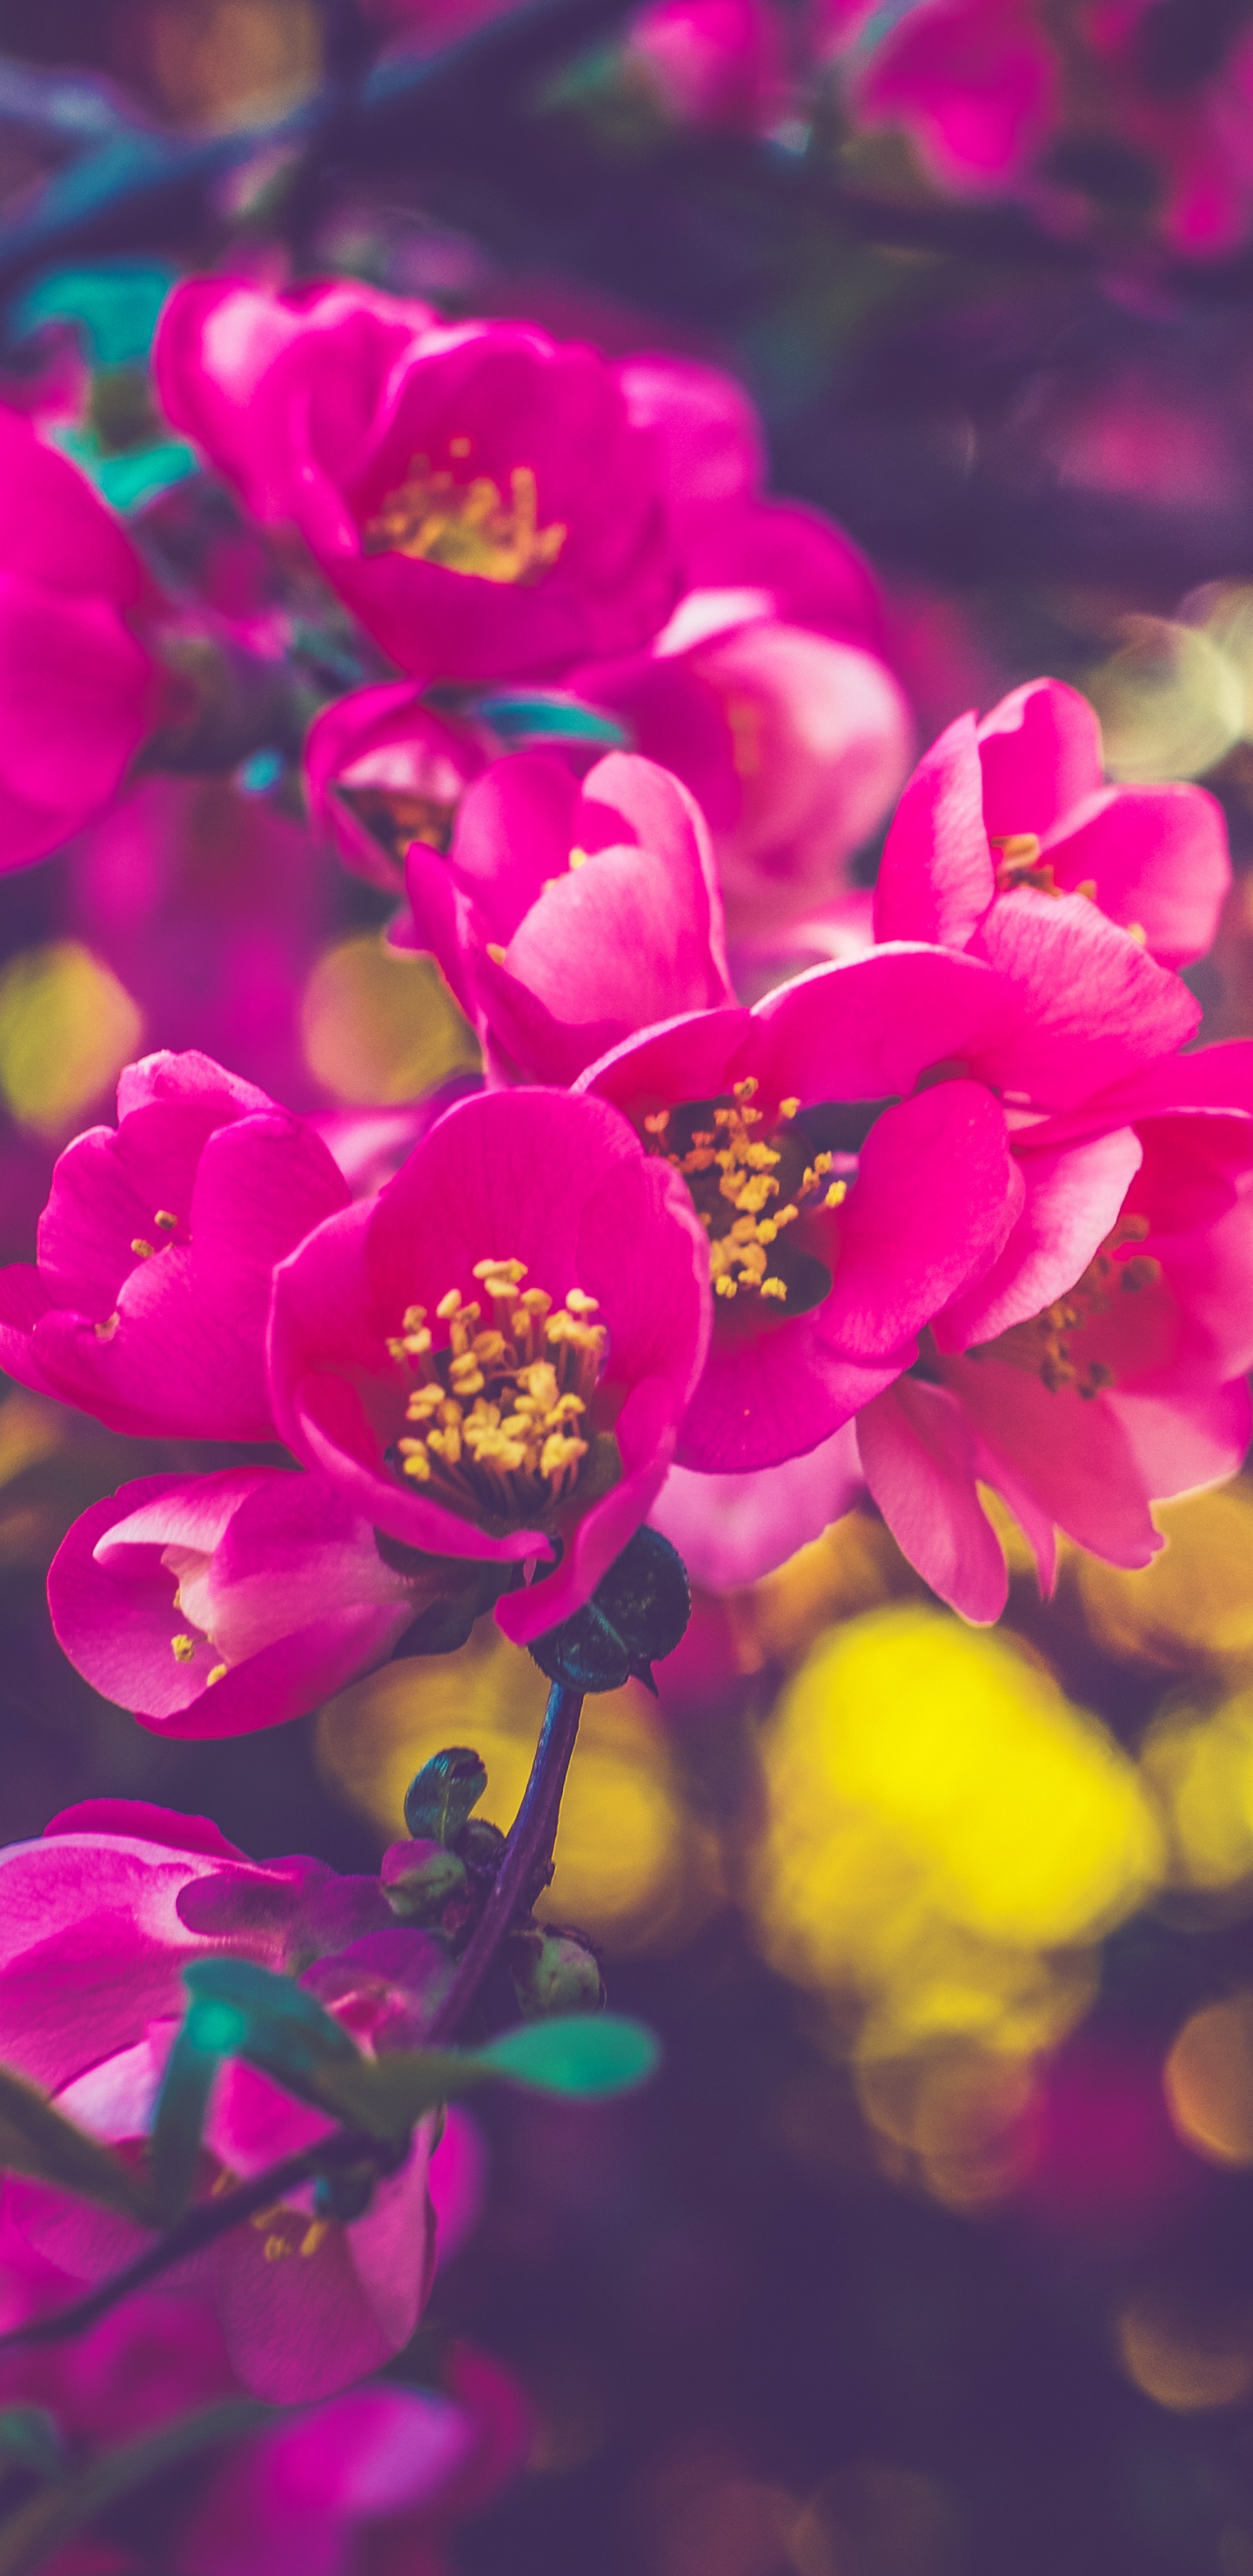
column 1209, row 2081
column 1183, row 2366
column 939, row 1817
column 1201, row 1765
column 67, row 1027
column 632, row 1866
column 380, row 1024
column 1170, row 699
column 1195, row 1601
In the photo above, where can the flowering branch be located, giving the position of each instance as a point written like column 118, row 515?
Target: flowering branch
column 525, row 1860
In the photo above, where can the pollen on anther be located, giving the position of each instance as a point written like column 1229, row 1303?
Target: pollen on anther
column 144, row 1249
column 218, row 1674
column 182, row 1648
column 166, row 1220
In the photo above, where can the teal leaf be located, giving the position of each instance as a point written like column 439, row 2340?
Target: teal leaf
column 177, row 2129
column 239, row 2010
column 439, row 1801
column 587, row 2056
column 521, row 716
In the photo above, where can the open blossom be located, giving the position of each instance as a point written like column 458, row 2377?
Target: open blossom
column 492, row 1358
column 974, row 83
column 566, row 918
column 78, row 687
column 383, row 770
column 1081, row 1403
column 714, row 62
column 148, row 1302
column 476, row 491
column 97, row 1919
column 1020, row 801
column 210, row 1605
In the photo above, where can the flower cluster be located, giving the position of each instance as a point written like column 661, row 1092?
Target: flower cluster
column 772, row 1190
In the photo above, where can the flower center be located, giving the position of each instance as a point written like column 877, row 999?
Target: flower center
column 467, row 527
column 1018, row 863
column 498, row 1416
column 397, row 819
column 1045, row 1345
column 734, row 1177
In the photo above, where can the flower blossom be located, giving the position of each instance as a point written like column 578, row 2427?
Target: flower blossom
column 1084, row 1394
column 384, row 770
column 475, row 491
column 78, row 686
column 210, row 1605
column 491, row 1359
column 148, row 1302
column 565, row 919
column 97, row 1919
column 1020, row 801
column 379, row 2475
column 974, row 83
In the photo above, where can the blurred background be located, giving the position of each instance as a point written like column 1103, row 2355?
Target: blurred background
column 931, row 2251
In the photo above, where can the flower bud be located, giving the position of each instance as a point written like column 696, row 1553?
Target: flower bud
column 554, row 1972
column 419, row 1879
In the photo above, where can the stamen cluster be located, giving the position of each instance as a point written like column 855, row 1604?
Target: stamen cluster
column 467, row 527
column 1044, row 1345
column 733, row 1178
column 497, row 1412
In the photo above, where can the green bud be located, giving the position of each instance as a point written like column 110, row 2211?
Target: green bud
column 445, row 1790
column 554, row 1972
column 637, row 1614
column 420, row 1878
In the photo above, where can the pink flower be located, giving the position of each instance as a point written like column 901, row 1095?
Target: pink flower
column 793, row 744
column 383, row 770
column 78, row 688
column 1004, row 812
column 211, row 1605
column 147, row 1306
column 475, row 491
column 835, row 1240
column 1084, row 1391
column 564, row 918
column 973, row 82
column 1189, row 106
column 96, row 1921
column 714, row 62
column 468, row 1414
column 382, row 2473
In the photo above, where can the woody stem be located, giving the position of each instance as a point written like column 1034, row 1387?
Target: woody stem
column 524, row 1860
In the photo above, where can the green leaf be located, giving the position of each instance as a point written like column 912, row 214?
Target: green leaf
column 586, row 2056
column 439, row 1801
column 36, row 2140
column 177, row 2129
column 238, row 2010
column 636, row 1615
column 547, row 715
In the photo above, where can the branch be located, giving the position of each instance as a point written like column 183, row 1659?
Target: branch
column 41, row 2526
column 525, row 1858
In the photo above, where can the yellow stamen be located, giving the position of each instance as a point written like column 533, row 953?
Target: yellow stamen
column 182, row 1648
column 1045, row 1346
column 165, row 1220
column 144, row 1250
column 467, row 527
column 728, row 1167
column 497, row 1423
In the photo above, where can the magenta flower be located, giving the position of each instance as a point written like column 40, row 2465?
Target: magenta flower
column 974, row 83
column 96, row 1921
column 383, row 770
column 491, row 1359
column 147, row 1306
column 793, row 743
column 210, row 1605
column 1082, row 1392
column 834, row 1242
column 1000, row 813
column 714, row 62
column 566, row 918
column 78, row 687
column 475, row 491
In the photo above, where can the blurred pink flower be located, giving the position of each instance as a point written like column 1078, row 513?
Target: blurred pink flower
column 714, row 62
column 1193, row 118
column 78, row 686
column 475, row 491
column 565, row 917
column 212, row 1605
column 96, row 1921
column 1081, row 1403
column 384, row 769
column 540, row 1437
column 1016, row 810
column 148, row 1303
column 381, row 2474
column 974, row 83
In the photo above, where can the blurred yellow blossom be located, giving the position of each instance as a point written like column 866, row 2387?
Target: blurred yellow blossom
column 380, row 1025
column 67, row 1027
column 1195, row 1601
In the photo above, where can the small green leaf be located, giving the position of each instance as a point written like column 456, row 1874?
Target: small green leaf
column 30, row 2438
column 584, row 2055
column 636, row 1615
column 36, row 2140
column 439, row 1801
column 239, row 2010
column 182, row 2107
column 547, row 715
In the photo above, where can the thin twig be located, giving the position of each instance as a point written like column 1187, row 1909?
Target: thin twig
column 525, row 1857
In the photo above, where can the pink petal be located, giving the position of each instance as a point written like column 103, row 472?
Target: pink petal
column 920, row 1459
column 729, row 1530
column 936, row 1194
column 1158, row 857
column 1040, row 751
column 1074, row 1456
column 1095, row 1007
column 936, row 877
column 1073, row 1197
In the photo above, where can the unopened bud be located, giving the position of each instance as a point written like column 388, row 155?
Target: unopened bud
column 554, row 1972
column 419, row 1879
